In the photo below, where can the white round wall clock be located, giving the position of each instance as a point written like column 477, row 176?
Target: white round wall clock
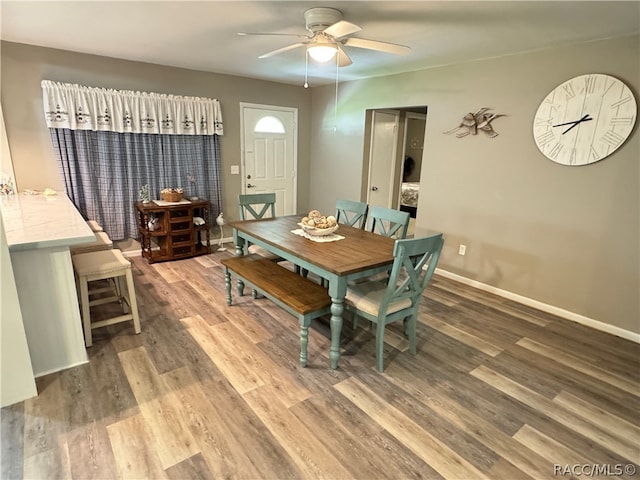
column 585, row 119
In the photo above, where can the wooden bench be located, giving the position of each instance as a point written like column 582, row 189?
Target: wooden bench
column 297, row 295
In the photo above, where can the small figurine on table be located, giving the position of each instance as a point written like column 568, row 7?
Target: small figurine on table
column 220, row 222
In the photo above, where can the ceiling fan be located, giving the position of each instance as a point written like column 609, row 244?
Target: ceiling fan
column 328, row 35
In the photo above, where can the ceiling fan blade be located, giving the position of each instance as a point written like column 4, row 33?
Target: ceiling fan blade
column 281, row 50
column 375, row 45
column 341, row 29
column 299, row 35
column 343, row 58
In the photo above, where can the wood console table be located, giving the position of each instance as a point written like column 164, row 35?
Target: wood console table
column 174, row 234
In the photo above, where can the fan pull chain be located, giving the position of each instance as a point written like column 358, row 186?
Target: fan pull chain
column 335, row 106
column 306, row 68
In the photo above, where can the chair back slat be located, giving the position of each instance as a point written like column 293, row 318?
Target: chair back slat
column 349, row 212
column 415, row 261
column 388, row 222
column 257, row 205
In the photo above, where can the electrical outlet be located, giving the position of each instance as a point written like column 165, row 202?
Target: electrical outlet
column 462, row 249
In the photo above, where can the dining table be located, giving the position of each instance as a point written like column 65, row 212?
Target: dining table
column 352, row 253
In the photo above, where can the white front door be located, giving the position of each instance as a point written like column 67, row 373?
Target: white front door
column 382, row 158
column 270, row 153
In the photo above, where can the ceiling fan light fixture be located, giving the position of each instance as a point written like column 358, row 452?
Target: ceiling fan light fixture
column 322, row 53
column 328, row 34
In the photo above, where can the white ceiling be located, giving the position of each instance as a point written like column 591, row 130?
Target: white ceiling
column 202, row 35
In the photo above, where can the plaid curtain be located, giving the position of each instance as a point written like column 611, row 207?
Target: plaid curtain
column 103, row 172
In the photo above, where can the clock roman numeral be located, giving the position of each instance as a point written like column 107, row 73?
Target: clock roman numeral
column 545, row 138
column 572, row 156
column 608, row 87
column 553, row 106
column 622, row 101
column 621, row 121
column 612, row 139
column 590, row 84
column 543, row 122
column 593, row 153
column 568, row 90
column 555, row 150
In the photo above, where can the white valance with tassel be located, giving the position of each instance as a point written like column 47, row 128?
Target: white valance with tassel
column 89, row 108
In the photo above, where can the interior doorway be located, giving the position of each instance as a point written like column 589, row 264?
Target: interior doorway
column 393, row 157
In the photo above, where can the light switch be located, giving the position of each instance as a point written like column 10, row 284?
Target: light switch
column 235, row 169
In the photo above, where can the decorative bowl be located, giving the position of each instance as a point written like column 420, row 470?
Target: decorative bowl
column 319, row 232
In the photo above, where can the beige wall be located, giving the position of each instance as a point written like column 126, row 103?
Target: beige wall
column 23, row 67
column 564, row 236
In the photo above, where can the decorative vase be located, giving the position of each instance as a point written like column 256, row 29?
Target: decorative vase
column 145, row 194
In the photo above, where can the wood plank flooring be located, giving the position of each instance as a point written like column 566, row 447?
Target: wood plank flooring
column 497, row 390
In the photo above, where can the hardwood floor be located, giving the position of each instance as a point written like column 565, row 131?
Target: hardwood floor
column 497, row 390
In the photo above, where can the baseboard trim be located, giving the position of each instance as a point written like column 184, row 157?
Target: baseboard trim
column 215, row 243
column 137, row 252
column 560, row 312
column 54, row 370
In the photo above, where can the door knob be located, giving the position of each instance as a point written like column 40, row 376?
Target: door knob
column 374, row 189
column 250, row 186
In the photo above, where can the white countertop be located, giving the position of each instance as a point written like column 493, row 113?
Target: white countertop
column 39, row 221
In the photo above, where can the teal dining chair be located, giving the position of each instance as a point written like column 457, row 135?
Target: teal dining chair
column 415, row 260
column 388, row 222
column 257, row 206
column 349, row 212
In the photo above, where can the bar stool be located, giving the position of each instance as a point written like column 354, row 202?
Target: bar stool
column 102, row 242
column 94, row 226
column 100, row 265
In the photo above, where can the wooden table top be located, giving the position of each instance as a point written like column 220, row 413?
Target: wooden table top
column 358, row 251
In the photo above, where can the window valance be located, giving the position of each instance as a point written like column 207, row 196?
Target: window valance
column 77, row 107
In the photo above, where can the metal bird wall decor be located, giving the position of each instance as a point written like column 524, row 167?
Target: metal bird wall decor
column 472, row 122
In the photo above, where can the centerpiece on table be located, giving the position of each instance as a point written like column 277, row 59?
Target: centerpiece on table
column 319, row 225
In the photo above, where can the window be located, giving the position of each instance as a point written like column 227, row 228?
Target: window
column 269, row 124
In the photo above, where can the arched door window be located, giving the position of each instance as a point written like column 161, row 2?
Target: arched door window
column 269, row 124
